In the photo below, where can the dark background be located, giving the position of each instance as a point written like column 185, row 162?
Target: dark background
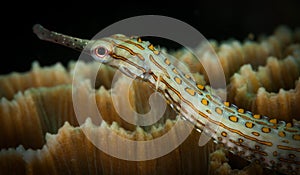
column 215, row 20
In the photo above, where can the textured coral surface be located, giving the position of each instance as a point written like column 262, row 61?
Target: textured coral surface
column 40, row 133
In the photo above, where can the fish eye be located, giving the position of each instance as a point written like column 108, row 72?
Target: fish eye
column 101, row 51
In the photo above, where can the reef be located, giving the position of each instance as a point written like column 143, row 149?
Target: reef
column 40, row 132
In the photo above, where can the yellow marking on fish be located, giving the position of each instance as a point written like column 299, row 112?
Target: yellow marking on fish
column 188, row 76
column 167, row 61
column 151, row 47
column 139, row 40
column 204, row 102
column 296, row 137
column 249, row 124
column 190, row 91
column 241, row 110
column 256, row 116
column 175, row 71
column 274, row 121
column 219, row 110
column 178, row 80
column 265, row 130
column 281, row 134
column 201, row 87
column 226, row 103
column 233, row 118
column 224, row 134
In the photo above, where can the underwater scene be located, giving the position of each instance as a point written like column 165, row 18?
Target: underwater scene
column 152, row 92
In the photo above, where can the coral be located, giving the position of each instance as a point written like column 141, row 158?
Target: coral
column 41, row 134
column 266, row 87
column 42, row 121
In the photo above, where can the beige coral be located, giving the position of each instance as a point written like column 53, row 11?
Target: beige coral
column 40, row 132
column 274, row 85
column 64, row 152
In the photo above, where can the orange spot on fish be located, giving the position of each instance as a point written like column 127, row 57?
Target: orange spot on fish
column 233, row 118
column 257, row 116
column 167, row 61
column 190, row 91
column 274, row 121
column 201, row 87
column 175, row 71
column 241, row 110
column 219, row 110
column 281, row 134
column 204, row 102
column 265, row 130
column 226, row 103
column 177, row 80
column 289, row 125
column 256, row 133
column 151, row 47
column 296, row 137
column 224, row 134
column 249, row 124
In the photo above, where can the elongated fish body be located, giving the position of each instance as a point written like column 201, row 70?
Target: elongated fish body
column 272, row 143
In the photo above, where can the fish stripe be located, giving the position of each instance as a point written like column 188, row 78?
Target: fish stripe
column 159, row 66
column 118, row 57
column 135, row 44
